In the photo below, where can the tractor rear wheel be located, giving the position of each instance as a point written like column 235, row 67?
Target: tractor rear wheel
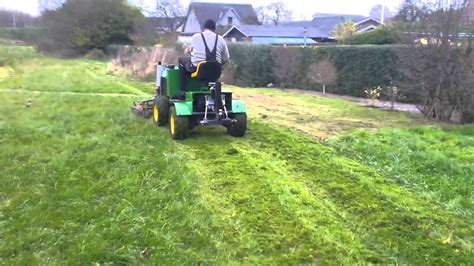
column 238, row 128
column 160, row 110
column 179, row 125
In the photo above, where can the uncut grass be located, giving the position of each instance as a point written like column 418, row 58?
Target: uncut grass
column 27, row 70
column 82, row 184
column 436, row 163
column 294, row 200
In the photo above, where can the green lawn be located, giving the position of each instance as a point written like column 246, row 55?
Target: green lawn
column 316, row 180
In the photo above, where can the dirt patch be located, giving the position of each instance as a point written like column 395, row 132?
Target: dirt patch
column 318, row 116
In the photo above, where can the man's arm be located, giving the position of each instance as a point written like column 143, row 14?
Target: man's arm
column 225, row 56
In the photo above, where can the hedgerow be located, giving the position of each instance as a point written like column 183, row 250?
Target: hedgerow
column 358, row 67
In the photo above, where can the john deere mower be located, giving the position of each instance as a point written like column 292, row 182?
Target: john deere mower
column 204, row 104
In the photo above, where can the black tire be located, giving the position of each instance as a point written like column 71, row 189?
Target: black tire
column 147, row 114
column 179, row 125
column 160, row 110
column 239, row 128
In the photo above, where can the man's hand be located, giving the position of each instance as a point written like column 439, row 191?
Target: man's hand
column 187, row 49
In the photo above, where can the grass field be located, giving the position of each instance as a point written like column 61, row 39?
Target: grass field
column 316, row 180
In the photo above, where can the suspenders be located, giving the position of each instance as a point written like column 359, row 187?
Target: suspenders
column 210, row 56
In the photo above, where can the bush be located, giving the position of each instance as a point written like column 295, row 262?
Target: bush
column 82, row 25
column 379, row 36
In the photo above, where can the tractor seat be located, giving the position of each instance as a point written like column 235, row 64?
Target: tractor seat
column 208, row 71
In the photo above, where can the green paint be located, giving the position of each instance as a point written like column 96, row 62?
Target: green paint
column 190, row 94
column 173, row 83
column 184, row 108
column 238, row 106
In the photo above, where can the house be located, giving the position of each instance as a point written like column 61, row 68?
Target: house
column 368, row 24
column 225, row 14
column 325, row 24
column 272, row 35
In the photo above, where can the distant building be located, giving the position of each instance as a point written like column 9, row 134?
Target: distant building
column 226, row 15
column 325, row 24
column 273, row 35
column 367, row 24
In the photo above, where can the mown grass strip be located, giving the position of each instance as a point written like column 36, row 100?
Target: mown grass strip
column 362, row 216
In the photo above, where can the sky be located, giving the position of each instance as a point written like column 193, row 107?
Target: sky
column 302, row 9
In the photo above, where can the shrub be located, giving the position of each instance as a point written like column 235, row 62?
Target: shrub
column 82, row 25
column 379, row 36
column 323, row 73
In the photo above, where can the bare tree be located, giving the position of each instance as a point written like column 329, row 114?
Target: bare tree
column 274, row 13
column 413, row 11
column 323, row 73
column 262, row 15
column 170, row 14
column 376, row 12
column 438, row 66
column 44, row 5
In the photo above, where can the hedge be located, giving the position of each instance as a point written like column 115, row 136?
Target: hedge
column 358, row 67
column 252, row 65
column 29, row 34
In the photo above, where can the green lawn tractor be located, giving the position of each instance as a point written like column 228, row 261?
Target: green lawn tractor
column 204, row 104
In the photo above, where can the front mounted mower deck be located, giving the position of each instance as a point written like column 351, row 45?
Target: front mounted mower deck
column 205, row 104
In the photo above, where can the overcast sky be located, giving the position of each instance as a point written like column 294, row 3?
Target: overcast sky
column 302, row 9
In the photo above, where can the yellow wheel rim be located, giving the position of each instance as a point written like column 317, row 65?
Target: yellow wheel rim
column 172, row 124
column 156, row 114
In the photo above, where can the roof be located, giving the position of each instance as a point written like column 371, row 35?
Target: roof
column 275, row 31
column 325, row 23
column 368, row 28
column 368, row 19
column 205, row 11
column 282, row 41
column 343, row 16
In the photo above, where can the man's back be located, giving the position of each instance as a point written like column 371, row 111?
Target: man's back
column 199, row 49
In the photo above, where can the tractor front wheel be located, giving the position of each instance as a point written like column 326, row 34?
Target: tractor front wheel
column 179, row 125
column 238, row 128
column 160, row 110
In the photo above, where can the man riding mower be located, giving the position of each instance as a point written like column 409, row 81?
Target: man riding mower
column 191, row 95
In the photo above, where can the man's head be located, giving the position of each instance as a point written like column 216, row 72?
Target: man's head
column 210, row 25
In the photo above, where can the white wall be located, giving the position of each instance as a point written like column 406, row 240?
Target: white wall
column 192, row 24
column 225, row 18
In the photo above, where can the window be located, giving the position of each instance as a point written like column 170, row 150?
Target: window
column 230, row 21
